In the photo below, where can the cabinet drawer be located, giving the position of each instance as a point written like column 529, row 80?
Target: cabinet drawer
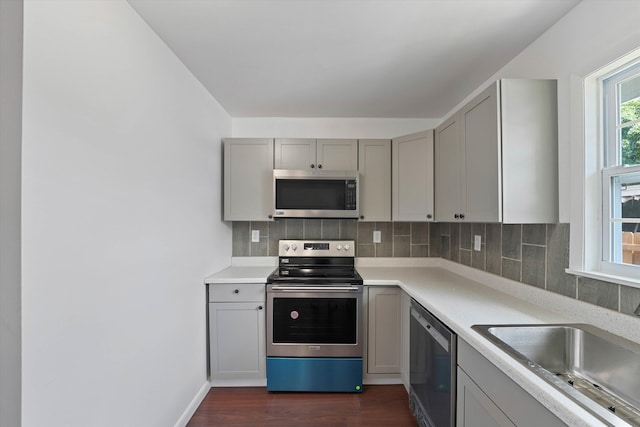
column 237, row 292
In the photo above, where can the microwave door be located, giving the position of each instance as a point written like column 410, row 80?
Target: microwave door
column 312, row 197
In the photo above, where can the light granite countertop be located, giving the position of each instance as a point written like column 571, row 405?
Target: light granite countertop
column 461, row 297
column 240, row 274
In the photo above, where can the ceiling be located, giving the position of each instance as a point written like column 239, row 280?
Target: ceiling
column 346, row 58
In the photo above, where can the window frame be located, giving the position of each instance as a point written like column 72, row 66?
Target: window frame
column 585, row 122
column 611, row 167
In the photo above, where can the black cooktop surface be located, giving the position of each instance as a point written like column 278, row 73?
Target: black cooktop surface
column 315, row 275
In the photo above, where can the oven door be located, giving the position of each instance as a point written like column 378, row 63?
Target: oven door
column 314, row 320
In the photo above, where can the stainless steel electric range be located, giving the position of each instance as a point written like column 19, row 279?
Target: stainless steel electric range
column 314, row 318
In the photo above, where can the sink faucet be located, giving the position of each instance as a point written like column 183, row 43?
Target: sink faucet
column 637, row 310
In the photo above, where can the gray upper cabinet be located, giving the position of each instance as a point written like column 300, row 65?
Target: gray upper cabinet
column 328, row 154
column 496, row 158
column 295, row 153
column 374, row 161
column 412, row 177
column 248, row 179
column 448, row 170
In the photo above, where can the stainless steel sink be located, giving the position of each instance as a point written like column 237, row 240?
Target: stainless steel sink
column 598, row 370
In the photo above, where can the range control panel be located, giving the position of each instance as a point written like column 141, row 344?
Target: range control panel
column 317, row 248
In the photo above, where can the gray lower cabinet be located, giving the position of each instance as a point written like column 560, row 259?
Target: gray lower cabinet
column 237, row 333
column 384, row 323
column 487, row 397
column 405, row 338
column 475, row 409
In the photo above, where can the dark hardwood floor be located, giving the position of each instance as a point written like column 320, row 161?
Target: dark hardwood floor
column 379, row 405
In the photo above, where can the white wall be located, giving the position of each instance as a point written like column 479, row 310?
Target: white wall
column 283, row 127
column 593, row 34
column 10, row 146
column 590, row 36
column 121, row 219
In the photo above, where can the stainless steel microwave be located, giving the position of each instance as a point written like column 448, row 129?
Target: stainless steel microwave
column 315, row 194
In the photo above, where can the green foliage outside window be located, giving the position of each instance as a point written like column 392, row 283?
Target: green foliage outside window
column 630, row 135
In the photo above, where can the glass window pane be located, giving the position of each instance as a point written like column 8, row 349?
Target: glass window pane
column 630, row 100
column 625, row 219
column 629, row 133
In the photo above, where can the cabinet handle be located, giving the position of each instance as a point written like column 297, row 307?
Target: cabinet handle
column 319, row 166
column 236, row 291
column 259, row 307
column 313, row 166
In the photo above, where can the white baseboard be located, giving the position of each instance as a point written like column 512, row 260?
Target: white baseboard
column 251, row 382
column 193, row 405
column 381, row 381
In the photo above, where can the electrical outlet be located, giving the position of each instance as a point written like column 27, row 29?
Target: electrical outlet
column 377, row 236
column 255, row 236
column 477, row 241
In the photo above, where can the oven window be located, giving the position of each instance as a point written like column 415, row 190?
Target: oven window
column 311, row 194
column 315, row 320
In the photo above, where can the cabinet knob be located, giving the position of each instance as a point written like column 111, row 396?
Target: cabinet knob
column 461, row 216
column 270, row 216
column 319, row 166
column 429, row 216
column 361, row 216
column 313, row 166
column 236, row 291
column 456, row 216
column 259, row 307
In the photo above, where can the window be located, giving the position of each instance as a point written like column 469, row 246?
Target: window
column 621, row 172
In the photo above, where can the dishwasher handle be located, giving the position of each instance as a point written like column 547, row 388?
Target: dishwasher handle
column 437, row 336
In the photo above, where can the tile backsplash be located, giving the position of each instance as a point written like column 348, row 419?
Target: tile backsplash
column 534, row 254
column 398, row 239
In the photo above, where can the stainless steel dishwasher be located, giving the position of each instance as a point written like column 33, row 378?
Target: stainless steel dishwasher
column 433, row 370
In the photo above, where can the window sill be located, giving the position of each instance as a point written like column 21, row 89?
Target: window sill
column 605, row 277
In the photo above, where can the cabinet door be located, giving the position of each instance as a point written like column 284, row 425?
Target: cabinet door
column 237, row 340
column 474, row 408
column 295, row 154
column 412, row 177
column 374, row 161
column 337, row 154
column 248, row 179
column 448, row 171
column 486, row 393
column 383, row 355
column 482, row 165
column 529, row 127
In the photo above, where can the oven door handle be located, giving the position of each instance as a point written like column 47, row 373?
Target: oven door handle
column 315, row 288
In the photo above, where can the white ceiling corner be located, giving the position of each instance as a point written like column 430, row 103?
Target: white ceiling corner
column 346, row 58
